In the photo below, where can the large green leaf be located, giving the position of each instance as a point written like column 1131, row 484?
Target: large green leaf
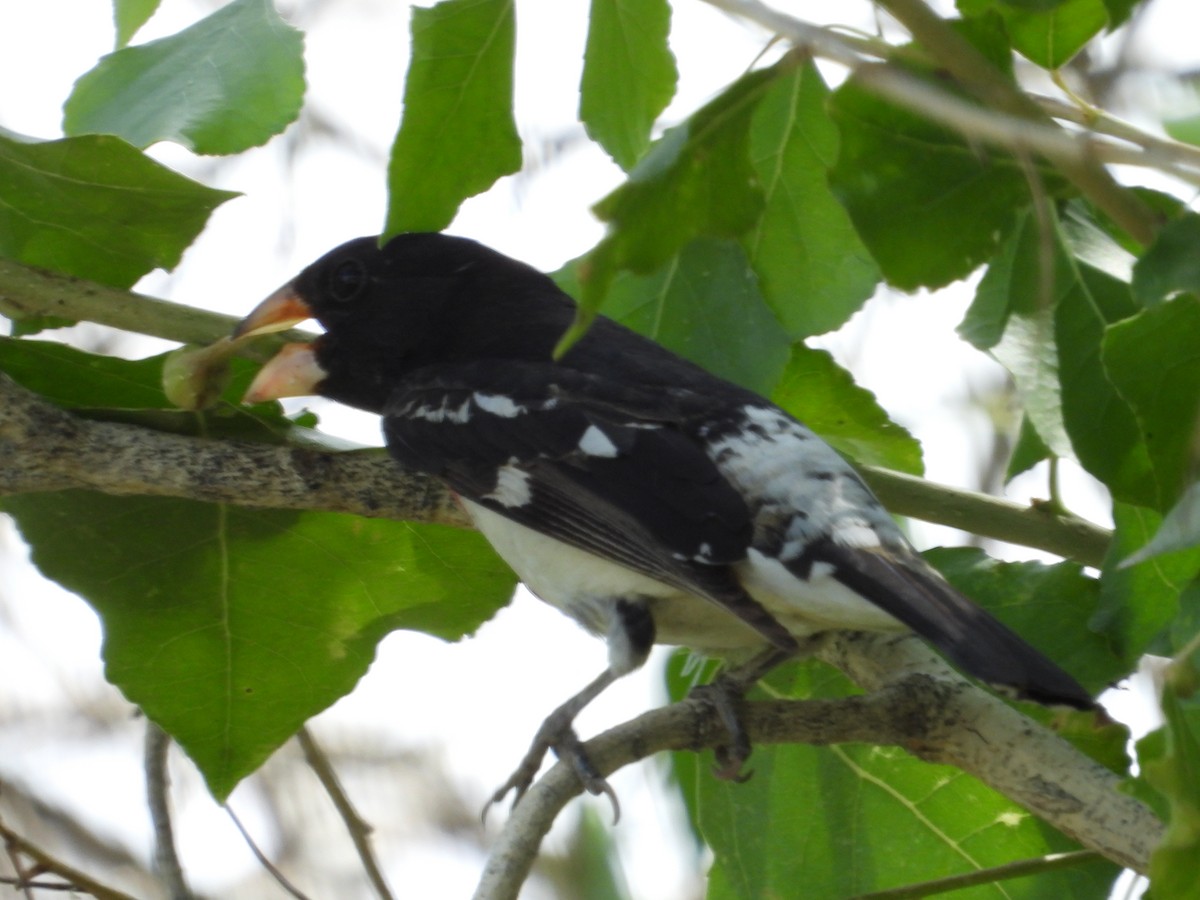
column 815, row 272
column 458, row 135
column 819, row 392
column 696, row 180
column 629, row 75
column 230, row 82
column 1153, row 359
column 96, row 208
column 930, row 206
column 231, row 627
column 849, row 819
column 704, row 305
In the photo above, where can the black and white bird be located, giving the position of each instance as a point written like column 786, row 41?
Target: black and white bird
column 641, row 495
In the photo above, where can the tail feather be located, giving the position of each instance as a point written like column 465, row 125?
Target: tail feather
column 968, row 635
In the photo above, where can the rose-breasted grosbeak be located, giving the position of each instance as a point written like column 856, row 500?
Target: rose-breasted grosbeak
column 639, row 494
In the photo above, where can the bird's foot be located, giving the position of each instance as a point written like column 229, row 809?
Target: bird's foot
column 558, row 734
column 725, row 696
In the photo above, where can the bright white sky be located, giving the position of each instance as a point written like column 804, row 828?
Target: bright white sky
column 357, row 53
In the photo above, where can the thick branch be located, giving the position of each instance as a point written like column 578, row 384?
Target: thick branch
column 46, row 448
column 917, row 703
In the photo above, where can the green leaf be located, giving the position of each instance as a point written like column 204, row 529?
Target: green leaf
column 1153, row 359
column 96, row 208
column 815, row 272
column 129, row 16
column 1012, row 317
column 696, row 180
column 1176, row 774
column 929, row 206
column 73, row 378
column 230, row 82
column 1171, row 264
column 1119, row 11
column 1103, row 429
column 1180, row 529
column 1044, row 320
column 1138, row 603
column 849, row 819
column 231, row 627
column 629, row 75
column 1051, row 37
column 458, row 135
column 1028, row 452
column 704, row 305
column 1184, row 128
column 822, row 394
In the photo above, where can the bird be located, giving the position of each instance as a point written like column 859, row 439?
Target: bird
column 643, row 496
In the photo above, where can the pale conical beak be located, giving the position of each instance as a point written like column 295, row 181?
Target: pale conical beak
column 279, row 312
column 292, row 372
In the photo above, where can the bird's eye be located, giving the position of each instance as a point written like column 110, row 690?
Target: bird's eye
column 347, row 281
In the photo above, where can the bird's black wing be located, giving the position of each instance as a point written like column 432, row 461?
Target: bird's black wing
column 595, row 463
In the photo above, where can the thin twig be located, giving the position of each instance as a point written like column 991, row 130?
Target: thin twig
column 358, row 828
column 1052, row 862
column 158, row 785
column 80, row 882
column 23, row 879
column 27, row 886
column 262, row 857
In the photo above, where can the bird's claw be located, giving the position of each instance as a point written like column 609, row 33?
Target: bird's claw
column 724, row 696
column 560, row 737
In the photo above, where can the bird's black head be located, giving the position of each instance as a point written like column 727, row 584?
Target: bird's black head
column 421, row 299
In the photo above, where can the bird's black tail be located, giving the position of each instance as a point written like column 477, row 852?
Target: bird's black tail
column 969, row 636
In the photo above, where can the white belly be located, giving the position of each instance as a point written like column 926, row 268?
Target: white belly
column 567, row 578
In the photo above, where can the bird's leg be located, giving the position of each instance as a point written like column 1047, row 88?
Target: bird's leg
column 725, row 694
column 557, row 734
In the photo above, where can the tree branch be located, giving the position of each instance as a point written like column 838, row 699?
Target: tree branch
column 48, row 449
column 917, row 702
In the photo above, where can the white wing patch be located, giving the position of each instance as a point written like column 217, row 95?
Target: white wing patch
column 512, row 487
column 596, row 443
column 437, row 414
column 498, row 405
